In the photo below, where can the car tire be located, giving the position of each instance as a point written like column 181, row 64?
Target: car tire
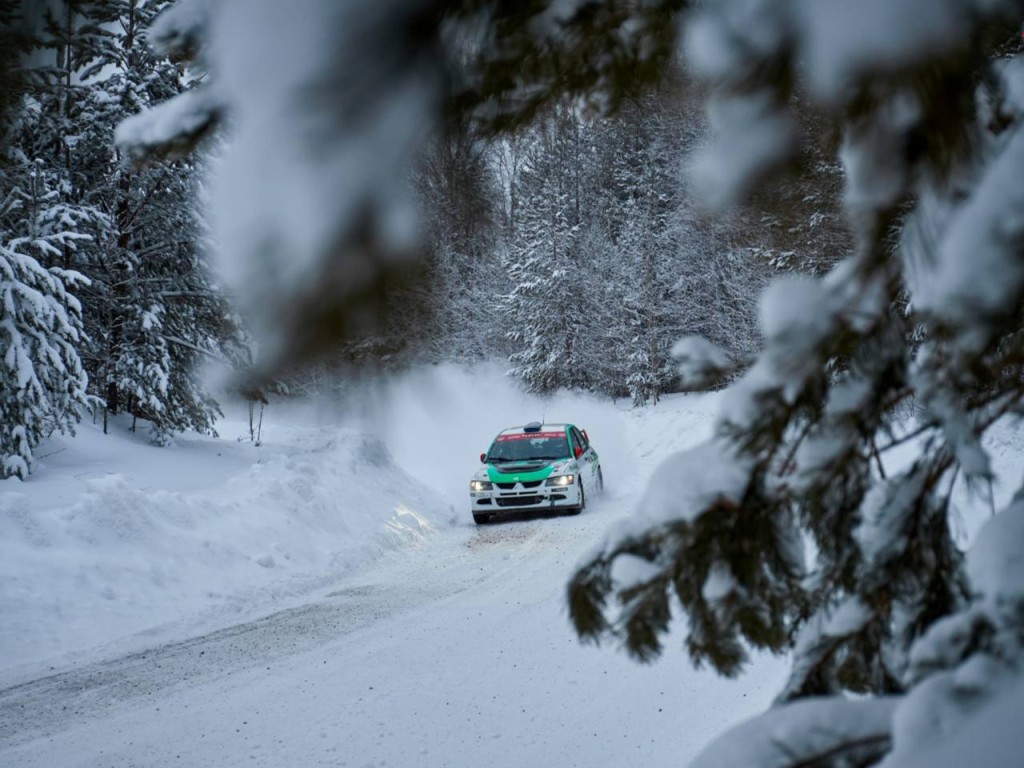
column 481, row 519
column 582, row 504
column 600, row 480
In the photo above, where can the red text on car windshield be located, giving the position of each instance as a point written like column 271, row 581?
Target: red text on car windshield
column 530, row 436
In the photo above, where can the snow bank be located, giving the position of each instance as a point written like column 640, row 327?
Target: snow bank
column 113, row 536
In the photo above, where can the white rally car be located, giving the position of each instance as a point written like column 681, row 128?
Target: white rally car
column 535, row 468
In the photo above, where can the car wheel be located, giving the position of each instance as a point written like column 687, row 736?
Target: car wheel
column 582, row 505
column 600, row 480
column 481, row 519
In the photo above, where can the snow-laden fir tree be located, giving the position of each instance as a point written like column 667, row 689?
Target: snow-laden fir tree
column 596, row 201
column 636, row 253
column 793, row 528
column 152, row 315
column 545, row 312
column 42, row 382
column 461, row 200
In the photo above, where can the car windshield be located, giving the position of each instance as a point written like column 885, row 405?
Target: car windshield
column 529, row 447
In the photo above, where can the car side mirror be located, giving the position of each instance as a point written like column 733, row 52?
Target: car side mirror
column 482, row 457
column 586, row 436
column 578, row 451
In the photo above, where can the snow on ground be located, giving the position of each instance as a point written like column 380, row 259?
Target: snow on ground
column 325, row 599
column 112, row 536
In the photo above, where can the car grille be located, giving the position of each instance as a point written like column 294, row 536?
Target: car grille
column 517, row 501
column 510, row 486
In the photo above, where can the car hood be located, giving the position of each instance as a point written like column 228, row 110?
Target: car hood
column 525, row 471
column 518, row 467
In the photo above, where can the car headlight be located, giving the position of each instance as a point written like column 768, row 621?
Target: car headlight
column 480, row 485
column 560, row 480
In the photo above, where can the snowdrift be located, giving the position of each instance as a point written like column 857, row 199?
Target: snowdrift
column 112, row 536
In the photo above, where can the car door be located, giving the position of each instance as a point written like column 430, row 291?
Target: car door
column 588, row 460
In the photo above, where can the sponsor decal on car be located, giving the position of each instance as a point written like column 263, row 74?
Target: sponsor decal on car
column 529, row 436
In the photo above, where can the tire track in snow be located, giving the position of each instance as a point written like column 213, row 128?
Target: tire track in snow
column 457, row 561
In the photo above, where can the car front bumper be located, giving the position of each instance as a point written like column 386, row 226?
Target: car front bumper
column 522, row 499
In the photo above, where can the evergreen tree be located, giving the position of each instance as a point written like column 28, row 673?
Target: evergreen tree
column 800, row 458
column 152, row 315
column 42, row 378
column 461, row 215
column 42, row 381
column 641, row 259
column 546, row 309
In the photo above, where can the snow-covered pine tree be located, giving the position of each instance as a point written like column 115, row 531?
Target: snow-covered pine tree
column 42, row 381
column 152, row 315
column 42, row 378
column 794, row 528
column 638, row 255
column 462, row 222
column 545, row 312
column 162, row 314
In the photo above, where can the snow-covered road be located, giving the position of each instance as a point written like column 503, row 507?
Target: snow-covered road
column 293, row 634
column 324, row 600
column 456, row 653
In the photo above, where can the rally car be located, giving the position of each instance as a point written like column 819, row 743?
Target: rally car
column 536, row 468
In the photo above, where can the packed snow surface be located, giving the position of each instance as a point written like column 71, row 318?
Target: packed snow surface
column 113, row 536
column 323, row 598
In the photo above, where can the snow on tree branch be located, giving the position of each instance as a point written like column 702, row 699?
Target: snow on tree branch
column 752, row 137
column 967, row 667
column 172, row 129
column 805, row 734
column 328, row 105
column 181, row 31
column 932, row 323
column 43, row 382
column 967, row 294
column 700, row 362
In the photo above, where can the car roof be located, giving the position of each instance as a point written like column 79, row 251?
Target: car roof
column 543, row 428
